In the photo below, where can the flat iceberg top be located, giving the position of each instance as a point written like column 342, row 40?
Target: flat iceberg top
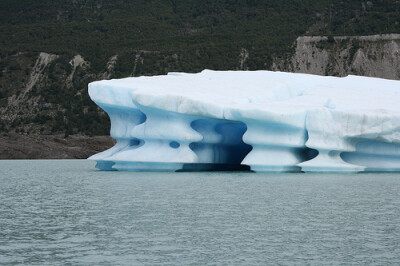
column 213, row 93
column 296, row 112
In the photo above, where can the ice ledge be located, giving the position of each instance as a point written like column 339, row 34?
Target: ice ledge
column 270, row 121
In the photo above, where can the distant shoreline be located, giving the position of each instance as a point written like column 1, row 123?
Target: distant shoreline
column 23, row 146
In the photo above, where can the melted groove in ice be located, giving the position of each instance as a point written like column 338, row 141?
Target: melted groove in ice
column 262, row 120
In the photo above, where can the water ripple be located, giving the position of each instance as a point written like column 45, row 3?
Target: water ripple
column 64, row 212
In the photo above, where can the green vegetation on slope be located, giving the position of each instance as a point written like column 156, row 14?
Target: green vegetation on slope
column 152, row 37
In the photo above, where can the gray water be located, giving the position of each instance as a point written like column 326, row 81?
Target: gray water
column 65, row 212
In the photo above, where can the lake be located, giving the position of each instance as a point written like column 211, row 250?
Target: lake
column 66, row 212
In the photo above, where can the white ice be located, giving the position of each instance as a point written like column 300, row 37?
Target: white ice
column 270, row 121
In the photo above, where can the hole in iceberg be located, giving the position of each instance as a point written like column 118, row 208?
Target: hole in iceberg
column 309, row 154
column 135, row 142
column 174, row 144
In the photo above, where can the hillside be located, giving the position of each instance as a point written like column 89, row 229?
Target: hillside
column 51, row 50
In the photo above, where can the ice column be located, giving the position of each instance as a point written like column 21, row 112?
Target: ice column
column 276, row 147
column 327, row 130
column 165, row 137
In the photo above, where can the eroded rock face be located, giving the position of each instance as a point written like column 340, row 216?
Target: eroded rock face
column 373, row 56
column 270, row 121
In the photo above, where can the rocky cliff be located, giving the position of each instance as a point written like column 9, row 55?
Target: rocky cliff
column 373, row 56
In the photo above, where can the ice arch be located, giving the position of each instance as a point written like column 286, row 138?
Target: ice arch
column 221, row 147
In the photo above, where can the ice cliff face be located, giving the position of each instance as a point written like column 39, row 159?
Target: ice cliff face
column 270, row 121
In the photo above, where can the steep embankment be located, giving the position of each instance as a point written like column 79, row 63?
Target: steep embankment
column 373, row 56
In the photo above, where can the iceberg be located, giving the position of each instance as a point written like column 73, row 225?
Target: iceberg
column 263, row 120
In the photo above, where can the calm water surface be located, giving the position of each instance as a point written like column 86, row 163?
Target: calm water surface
column 65, row 212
